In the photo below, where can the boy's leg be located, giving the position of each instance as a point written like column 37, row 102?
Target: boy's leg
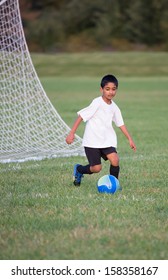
column 88, row 169
column 94, row 158
column 114, row 170
column 114, row 167
column 84, row 169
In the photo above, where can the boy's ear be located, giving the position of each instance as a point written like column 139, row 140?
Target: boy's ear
column 101, row 89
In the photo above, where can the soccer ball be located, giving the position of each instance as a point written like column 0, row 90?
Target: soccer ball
column 108, row 184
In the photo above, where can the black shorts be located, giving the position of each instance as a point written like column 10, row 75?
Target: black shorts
column 94, row 155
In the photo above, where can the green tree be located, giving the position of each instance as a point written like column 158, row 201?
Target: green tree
column 55, row 24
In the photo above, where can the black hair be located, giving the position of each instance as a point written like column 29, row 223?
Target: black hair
column 109, row 79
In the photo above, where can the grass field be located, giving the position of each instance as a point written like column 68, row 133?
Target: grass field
column 43, row 216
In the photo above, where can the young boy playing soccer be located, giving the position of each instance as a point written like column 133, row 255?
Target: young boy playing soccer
column 100, row 140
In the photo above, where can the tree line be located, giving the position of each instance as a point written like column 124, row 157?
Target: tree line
column 74, row 25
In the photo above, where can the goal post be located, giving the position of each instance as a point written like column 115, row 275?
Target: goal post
column 30, row 126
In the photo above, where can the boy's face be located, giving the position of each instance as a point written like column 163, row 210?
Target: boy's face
column 108, row 92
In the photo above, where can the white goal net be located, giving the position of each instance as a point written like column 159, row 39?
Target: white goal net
column 30, row 127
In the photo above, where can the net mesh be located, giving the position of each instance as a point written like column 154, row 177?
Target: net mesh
column 30, row 127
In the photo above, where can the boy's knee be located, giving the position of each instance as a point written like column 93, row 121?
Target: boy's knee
column 114, row 159
column 96, row 168
column 115, row 162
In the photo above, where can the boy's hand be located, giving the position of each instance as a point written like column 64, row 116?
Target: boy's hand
column 70, row 138
column 132, row 144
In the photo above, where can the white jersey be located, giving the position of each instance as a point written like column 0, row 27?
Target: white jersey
column 99, row 132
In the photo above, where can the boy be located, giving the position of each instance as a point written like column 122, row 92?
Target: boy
column 99, row 138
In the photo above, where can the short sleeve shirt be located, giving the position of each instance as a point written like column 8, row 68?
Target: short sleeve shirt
column 99, row 117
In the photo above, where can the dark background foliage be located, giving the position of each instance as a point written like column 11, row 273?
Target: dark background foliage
column 73, row 25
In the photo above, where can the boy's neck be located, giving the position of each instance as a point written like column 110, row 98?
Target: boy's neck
column 108, row 101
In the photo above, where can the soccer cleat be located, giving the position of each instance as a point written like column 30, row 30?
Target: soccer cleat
column 77, row 176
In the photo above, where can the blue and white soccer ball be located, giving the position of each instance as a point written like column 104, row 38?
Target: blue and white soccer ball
column 108, row 184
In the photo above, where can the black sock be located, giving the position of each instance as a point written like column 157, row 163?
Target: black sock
column 84, row 169
column 114, row 170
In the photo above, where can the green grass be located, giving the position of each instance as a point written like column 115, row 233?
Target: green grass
column 96, row 64
column 43, row 216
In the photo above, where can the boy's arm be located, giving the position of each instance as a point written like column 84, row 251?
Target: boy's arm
column 126, row 133
column 71, row 136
